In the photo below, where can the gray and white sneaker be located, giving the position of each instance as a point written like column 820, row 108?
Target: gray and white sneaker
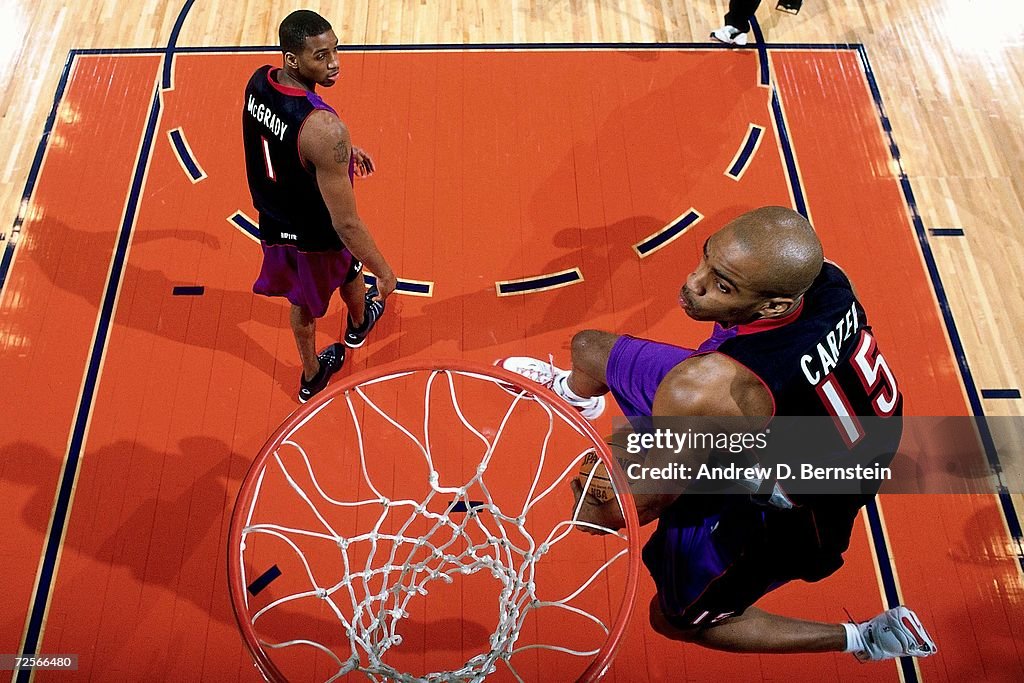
column 894, row 633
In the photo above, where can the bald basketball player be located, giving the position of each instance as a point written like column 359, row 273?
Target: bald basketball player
column 790, row 338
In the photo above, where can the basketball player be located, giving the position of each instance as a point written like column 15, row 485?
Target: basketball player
column 764, row 282
column 300, row 163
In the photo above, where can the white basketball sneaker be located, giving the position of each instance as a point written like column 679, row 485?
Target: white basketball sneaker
column 546, row 374
column 730, row 35
column 894, row 633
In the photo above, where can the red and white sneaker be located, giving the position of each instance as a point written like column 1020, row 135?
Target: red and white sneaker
column 894, row 633
column 548, row 375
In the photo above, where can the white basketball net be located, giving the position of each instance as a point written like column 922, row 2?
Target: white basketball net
column 373, row 596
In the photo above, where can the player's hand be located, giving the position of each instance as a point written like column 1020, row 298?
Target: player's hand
column 592, row 512
column 363, row 163
column 386, row 284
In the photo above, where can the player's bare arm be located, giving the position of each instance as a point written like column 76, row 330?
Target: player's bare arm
column 324, row 142
column 707, row 387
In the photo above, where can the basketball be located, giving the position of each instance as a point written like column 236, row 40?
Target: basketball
column 600, row 485
column 600, row 489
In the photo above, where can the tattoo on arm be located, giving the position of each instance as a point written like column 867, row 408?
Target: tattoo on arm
column 342, row 152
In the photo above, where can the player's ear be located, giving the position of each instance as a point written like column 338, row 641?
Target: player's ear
column 291, row 60
column 776, row 307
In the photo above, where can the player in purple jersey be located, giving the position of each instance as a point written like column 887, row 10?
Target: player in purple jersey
column 299, row 163
column 790, row 339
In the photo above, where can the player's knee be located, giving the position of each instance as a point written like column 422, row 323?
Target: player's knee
column 663, row 627
column 590, row 348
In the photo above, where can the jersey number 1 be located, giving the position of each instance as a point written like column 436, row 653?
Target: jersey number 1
column 266, row 159
column 878, row 382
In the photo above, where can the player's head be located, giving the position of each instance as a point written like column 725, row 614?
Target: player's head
column 757, row 267
column 309, row 46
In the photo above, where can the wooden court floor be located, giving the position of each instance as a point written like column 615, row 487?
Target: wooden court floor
column 132, row 412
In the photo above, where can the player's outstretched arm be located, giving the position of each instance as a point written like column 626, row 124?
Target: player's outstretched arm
column 324, row 142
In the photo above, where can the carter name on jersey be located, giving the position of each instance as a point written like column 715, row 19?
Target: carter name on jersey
column 829, row 348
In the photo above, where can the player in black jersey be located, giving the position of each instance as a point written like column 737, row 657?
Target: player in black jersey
column 300, row 163
column 790, row 339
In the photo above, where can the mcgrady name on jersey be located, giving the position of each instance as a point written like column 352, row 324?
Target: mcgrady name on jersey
column 267, row 117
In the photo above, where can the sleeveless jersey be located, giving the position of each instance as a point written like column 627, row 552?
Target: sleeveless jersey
column 284, row 190
column 820, row 361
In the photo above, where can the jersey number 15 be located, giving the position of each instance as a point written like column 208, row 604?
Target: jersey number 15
column 879, row 385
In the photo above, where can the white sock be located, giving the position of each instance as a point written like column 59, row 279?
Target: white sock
column 561, row 387
column 854, row 639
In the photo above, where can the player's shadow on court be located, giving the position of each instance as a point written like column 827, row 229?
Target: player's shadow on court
column 161, row 525
column 641, row 292
column 156, row 526
column 171, row 541
column 624, row 287
column 219, row 320
column 474, row 320
column 636, row 293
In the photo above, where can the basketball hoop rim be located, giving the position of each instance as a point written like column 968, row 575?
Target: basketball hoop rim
column 602, row 661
